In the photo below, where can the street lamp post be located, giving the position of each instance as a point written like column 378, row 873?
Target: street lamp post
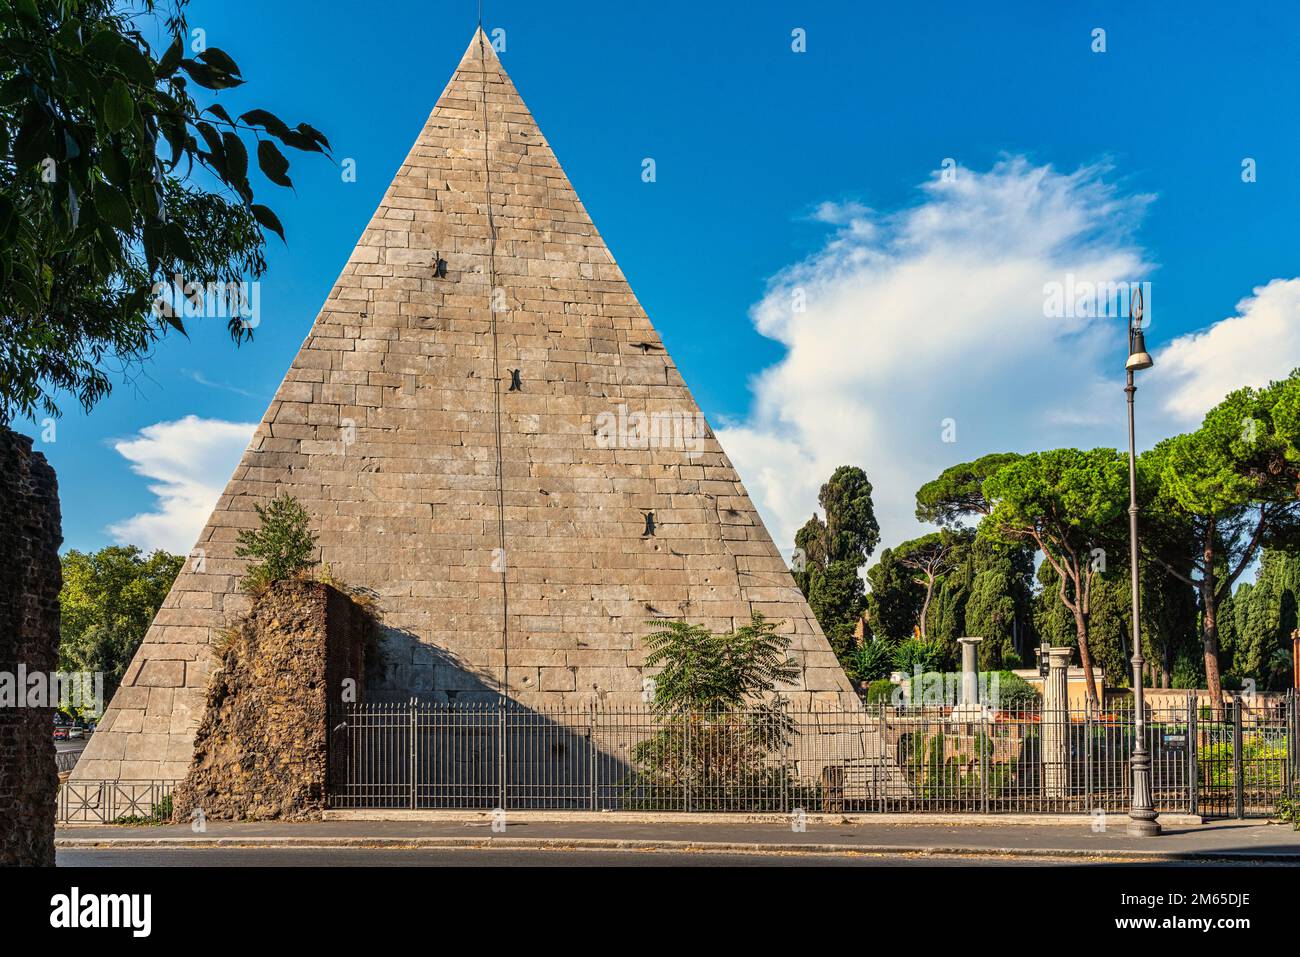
column 1142, row 813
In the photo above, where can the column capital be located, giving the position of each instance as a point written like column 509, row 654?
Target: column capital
column 1059, row 656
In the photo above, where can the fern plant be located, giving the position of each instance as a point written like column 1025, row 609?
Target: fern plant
column 717, row 673
column 717, row 729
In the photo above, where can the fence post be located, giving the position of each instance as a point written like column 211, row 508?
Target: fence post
column 1238, row 778
column 984, row 759
column 1088, row 739
column 502, row 765
column 1293, row 750
column 1193, row 762
column 882, row 738
column 591, row 748
column 686, row 762
column 785, row 768
column 1293, row 740
column 410, row 711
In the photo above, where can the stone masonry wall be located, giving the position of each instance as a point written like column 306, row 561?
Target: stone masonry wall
column 535, row 578
column 30, row 579
column 261, row 752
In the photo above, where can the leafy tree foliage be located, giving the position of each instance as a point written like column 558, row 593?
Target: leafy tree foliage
column 852, row 531
column 1062, row 502
column 999, row 602
column 989, row 593
column 1169, row 622
column 894, row 603
column 101, row 139
column 1218, row 495
column 834, row 551
column 283, row 546
column 836, row 596
column 930, row 557
column 1109, row 615
column 1256, row 623
column 108, row 601
column 958, row 493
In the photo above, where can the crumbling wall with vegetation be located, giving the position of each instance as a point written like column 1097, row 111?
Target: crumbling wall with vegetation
column 262, row 749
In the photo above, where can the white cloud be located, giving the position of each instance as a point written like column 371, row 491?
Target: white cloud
column 1259, row 344
column 937, row 312
column 189, row 461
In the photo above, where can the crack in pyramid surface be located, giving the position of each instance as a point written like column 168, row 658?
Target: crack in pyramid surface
column 386, row 429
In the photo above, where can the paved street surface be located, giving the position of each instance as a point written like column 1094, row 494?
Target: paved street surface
column 1225, row 840
column 477, row 857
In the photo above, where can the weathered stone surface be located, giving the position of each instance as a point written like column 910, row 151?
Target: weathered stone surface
column 385, row 428
column 30, row 579
column 261, row 752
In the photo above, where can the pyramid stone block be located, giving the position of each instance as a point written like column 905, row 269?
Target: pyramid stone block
column 573, row 504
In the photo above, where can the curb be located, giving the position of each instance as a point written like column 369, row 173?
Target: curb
column 632, row 844
column 698, row 818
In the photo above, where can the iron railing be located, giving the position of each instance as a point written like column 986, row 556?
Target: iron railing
column 66, row 760
column 417, row 755
column 115, row 802
column 420, row 755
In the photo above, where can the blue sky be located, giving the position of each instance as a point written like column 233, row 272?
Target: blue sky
column 778, row 169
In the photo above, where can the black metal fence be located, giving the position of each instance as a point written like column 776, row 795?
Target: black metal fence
column 66, row 760
column 419, row 755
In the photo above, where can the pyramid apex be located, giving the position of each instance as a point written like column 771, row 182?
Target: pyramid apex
column 480, row 41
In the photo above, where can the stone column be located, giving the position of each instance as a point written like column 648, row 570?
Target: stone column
column 968, row 704
column 1055, row 726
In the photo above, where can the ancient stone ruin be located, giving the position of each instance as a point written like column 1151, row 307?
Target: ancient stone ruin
column 261, row 751
column 30, row 579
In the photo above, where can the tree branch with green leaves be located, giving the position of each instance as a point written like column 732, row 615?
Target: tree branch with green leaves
column 101, row 144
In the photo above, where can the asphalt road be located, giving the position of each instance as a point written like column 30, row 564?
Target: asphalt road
column 487, row 857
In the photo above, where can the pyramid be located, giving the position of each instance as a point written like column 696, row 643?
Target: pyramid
column 486, row 430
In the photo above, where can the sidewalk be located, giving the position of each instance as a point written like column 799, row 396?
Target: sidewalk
column 1238, row 841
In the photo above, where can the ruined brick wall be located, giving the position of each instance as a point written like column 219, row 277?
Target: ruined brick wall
column 262, row 749
column 30, row 579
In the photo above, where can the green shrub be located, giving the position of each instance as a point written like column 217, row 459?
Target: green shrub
column 1014, row 692
column 1288, row 811
column 881, row 691
column 869, row 661
column 1262, row 764
column 913, row 653
column 160, row 813
column 718, row 732
column 283, row 546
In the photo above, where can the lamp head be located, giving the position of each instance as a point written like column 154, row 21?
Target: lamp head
column 1138, row 357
